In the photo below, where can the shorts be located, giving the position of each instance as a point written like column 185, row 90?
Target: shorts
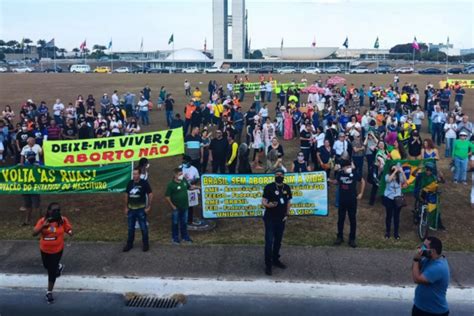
column 31, row 200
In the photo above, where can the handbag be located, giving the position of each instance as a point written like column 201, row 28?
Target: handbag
column 400, row 201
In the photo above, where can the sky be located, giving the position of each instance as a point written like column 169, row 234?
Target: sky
column 298, row 22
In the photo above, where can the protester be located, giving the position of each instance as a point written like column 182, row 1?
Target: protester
column 461, row 149
column 138, row 201
column 231, row 154
column 277, row 202
column 393, row 191
column 177, row 197
column 52, row 227
column 430, row 271
column 244, row 163
column 300, row 164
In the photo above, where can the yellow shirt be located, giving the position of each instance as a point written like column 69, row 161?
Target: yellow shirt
column 404, row 98
column 395, row 155
column 218, row 109
column 197, row 94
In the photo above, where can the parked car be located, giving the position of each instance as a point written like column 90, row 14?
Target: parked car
column 241, row 70
column 53, row 69
column 265, row 70
column 80, row 68
column 13, row 62
column 102, row 69
column 286, row 70
column 212, row 70
column 141, row 70
column 311, row 70
column 455, row 71
column 469, row 70
column 430, row 71
column 360, row 70
column 3, row 69
column 23, row 69
column 333, row 70
column 383, row 69
column 191, row 70
column 122, row 70
column 404, row 70
column 155, row 70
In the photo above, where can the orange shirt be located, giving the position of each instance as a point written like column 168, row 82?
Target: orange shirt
column 189, row 111
column 52, row 237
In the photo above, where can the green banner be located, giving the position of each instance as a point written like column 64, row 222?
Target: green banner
column 409, row 167
column 49, row 180
column 276, row 86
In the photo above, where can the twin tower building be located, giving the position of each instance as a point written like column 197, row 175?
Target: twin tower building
column 222, row 21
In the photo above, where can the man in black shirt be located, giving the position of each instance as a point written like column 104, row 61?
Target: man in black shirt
column 347, row 178
column 218, row 152
column 138, row 204
column 277, row 202
column 169, row 104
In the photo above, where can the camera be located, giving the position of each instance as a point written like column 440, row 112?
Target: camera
column 426, row 253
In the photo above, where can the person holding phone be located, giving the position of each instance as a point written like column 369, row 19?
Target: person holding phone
column 52, row 227
column 277, row 202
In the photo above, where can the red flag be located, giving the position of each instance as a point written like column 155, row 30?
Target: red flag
column 83, row 45
column 415, row 44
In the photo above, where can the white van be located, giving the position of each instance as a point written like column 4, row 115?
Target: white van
column 80, row 68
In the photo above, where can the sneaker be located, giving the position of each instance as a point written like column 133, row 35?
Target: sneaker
column 387, row 236
column 352, row 243
column 60, row 270
column 268, row 270
column 146, row 248
column 175, row 242
column 188, row 240
column 22, row 209
column 49, row 298
column 455, row 182
column 279, row 264
column 338, row 241
column 127, row 248
column 465, row 183
column 397, row 237
column 196, row 222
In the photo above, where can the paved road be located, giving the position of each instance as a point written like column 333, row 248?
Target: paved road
column 31, row 302
column 322, row 264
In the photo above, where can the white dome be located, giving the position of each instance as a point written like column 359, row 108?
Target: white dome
column 187, row 54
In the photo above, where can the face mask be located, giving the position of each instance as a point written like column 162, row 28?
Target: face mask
column 349, row 170
column 147, row 166
column 24, row 129
column 279, row 179
column 102, row 127
column 181, row 177
column 300, row 158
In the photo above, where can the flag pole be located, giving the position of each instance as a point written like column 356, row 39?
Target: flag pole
column 111, row 57
column 447, row 50
column 413, row 59
column 54, row 56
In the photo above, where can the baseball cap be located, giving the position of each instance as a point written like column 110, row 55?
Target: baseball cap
column 279, row 170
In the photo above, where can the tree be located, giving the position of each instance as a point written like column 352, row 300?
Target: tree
column 2, row 55
column 2, row 43
column 99, row 47
column 12, row 44
column 41, row 43
column 76, row 51
column 62, row 51
column 256, row 54
column 406, row 48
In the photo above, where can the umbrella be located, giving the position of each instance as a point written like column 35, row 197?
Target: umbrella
column 313, row 89
column 336, row 80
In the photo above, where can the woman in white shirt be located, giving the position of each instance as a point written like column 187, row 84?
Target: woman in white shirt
column 257, row 146
column 268, row 133
column 450, row 128
column 115, row 126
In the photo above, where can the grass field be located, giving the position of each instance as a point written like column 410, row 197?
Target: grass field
column 100, row 216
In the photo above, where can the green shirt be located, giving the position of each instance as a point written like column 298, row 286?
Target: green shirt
column 178, row 193
column 461, row 148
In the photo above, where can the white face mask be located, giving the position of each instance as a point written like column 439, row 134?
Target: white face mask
column 349, row 170
column 181, row 177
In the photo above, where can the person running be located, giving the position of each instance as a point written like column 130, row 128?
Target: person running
column 52, row 227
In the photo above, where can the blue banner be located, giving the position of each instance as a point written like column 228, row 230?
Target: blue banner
column 240, row 195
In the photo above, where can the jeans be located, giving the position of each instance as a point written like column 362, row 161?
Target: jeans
column 418, row 312
column 129, row 110
column 187, row 123
column 449, row 147
column 218, row 165
column 349, row 207
column 144, row 117
column 269, row 96
column 274, row 229
column 58, row 119
column 370, row 166
column 359, row 164
column 134, row 216
column 460, row 169
column 306, row 153
column 391, row 211
column 179, row 221
column 169, row 117
column 436, row 133
column 241, row 96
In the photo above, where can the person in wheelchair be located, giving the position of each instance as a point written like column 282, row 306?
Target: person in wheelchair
column 426, row 193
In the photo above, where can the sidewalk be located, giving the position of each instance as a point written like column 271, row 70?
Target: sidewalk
column 307, row 264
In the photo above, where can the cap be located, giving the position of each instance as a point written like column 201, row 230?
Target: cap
column 341, row 134
column 29, row 101
column 279, row 170
column 463, row 133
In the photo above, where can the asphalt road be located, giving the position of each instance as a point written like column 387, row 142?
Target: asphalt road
column 19, row 302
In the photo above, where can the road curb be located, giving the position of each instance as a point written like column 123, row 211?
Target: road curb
column 221, row 287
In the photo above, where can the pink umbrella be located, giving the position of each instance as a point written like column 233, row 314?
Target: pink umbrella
column 313, row 89
column 336, row 80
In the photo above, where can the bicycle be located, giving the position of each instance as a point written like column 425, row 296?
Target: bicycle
column 420, row 214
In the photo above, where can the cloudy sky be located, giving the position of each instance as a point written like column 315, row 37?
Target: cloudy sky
column 297, row 21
